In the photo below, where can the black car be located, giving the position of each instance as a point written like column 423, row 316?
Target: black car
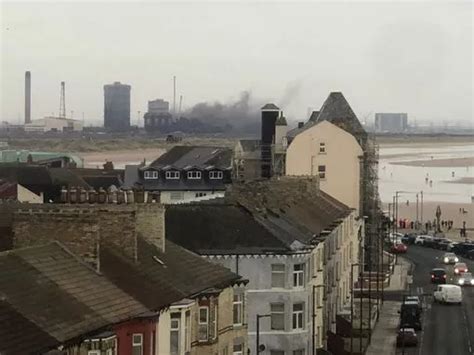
column 438, row 276
column 409, row 238
column 462, row 248
column 410, row 315
column 470, row 254
column 433, row 243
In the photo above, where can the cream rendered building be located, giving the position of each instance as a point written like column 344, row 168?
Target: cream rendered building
column 333, row 154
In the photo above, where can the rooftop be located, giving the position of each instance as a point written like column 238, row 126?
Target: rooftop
column 181, row 157
column 70, row 299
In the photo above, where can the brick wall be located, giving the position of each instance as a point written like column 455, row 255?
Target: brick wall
column 82, row 228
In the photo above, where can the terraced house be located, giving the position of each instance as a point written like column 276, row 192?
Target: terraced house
column 117, row 286
column 293, row 242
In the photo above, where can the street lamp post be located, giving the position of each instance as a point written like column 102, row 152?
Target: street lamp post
column 258, row 331
column 352, row 303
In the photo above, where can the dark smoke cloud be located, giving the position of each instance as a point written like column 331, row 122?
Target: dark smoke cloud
column 241, row 116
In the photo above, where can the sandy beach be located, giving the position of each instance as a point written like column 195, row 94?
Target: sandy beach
column 449, row 211
column 439, row 163
column 120, row 157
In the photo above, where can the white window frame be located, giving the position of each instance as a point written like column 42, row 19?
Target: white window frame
column 140, row 344
column 238, row 351
column 172, row 175
column 150, row 175
column 322, row 172
column 206, row 323
column 239, row 305
column 298, row 276
column 298, row 316
column 322, row 148
column 176, row 329
column 278, row 272
column 93, row 352
column 216, row 175
column 194, row 175
column 187, row 331
column 216, row 309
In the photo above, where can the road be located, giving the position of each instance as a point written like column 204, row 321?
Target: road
column 447, row 329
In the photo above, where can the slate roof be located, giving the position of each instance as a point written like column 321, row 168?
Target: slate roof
column 97, row 178
column 50, row 297
column 292, row 133
column 222, row 229
column 25, row 174
column 270, row 106
column 288, row 205
column 337, row 110
column 181, row 157
column 165, row 277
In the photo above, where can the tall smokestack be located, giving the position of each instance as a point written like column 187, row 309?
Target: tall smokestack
column 27, row 97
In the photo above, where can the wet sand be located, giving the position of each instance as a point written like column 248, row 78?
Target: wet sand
column 464, row 180
column 439, row 163
column 120, row 157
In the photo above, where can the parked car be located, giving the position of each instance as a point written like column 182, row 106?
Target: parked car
column 421, row 239
column 450, row 258
column 444, row 244
column 410, row 316
column 470, row 254
column 438, row 276
column 395, row 238
column 451, row 246
column 460, row 268
column 462, row 249
column 432, row 242
column 466, row 279
column 409, row 238
column 414, row 299
column 399, row 248
column 407, row 337
column 439, row 242
column 448, row 294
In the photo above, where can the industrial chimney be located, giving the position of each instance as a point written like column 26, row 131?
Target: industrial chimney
column 27, row 97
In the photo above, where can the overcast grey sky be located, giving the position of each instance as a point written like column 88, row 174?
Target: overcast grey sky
column 413, row 57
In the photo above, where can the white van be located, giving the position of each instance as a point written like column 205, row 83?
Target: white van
column 448, row 294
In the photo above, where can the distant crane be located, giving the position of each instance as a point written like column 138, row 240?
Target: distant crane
column 62, row 101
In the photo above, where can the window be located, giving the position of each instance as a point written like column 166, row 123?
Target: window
column 214, row 321
column 175, row 333
column 237, row 309
column 225, row 350
column 298, row 316
column 194, row 175
column 150, row 174
column 278, row 275
column 216, row 175
column 176, row 195
column 93, row 352
column 238, row 349
column 277, row 352
column 137, row 344
column 298, row 352
column 322, row 171
column 298, row 275
column 322, row 148
column 172, row 175
column 277, row 311
column 109, row 352
column 203, row 331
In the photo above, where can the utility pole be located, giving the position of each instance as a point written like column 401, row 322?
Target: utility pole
column 174, row 94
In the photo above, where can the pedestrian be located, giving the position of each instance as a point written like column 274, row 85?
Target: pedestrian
column 412, row 225
column 431, row 183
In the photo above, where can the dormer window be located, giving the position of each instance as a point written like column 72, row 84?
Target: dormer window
column 194, row 175
column 172, row 175
column 216, row 175
column 150, row 175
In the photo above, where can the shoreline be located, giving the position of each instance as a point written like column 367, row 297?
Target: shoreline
column 439, row 163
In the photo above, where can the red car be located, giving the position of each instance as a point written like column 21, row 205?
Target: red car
column 460, row 268
column 407, row 337
column 399, row 248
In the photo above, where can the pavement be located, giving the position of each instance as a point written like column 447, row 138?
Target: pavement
column 384, row 337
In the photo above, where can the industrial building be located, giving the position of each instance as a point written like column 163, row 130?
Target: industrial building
column 117, row 106
column 158, row 118
column 53, row 124
column 391, row 122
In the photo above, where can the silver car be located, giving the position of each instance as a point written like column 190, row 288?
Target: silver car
column 466, row 279
column 450, row 258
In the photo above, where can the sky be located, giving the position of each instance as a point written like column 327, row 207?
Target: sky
column 404, row 56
